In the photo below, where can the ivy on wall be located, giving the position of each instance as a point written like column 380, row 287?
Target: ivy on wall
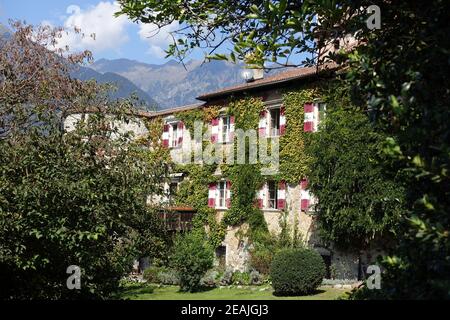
column 293, row 158
column 246, row 179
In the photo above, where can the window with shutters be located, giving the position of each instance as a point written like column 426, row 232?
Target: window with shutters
column 174, row 135
column 221, row 194
column 225, row 124
column 274, row 122
column 272, row 202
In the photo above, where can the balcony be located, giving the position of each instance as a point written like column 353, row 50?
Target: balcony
column 178, row 218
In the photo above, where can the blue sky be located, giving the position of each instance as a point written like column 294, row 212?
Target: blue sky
column 115, row 37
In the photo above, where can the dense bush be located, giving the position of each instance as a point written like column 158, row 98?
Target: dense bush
column 168, row 276
column 297, row 271
column 193, row 257
column 261, row 259
column 62, row 195
column 226, row 278
column 240, row 278
column 151, row 274
column 210, row 279
column 255, row 278
column 161, row 275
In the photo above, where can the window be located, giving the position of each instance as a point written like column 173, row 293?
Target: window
column 221, row 253
column 222, row 194
column 226, row 127
column 327, row 262
column 274, row 122
column 273, row 195
column 174, row 135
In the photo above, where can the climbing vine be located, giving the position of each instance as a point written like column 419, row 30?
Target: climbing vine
column 293, row 158
column 246, row 178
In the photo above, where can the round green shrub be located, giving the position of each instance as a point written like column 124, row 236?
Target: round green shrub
column 296, row 272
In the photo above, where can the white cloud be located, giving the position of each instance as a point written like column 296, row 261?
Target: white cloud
column 102, row 31
column 158, row 40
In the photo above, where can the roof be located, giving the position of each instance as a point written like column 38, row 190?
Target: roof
column 279, row 78
column 182, row 209
column 282, row 77
column 177, row 109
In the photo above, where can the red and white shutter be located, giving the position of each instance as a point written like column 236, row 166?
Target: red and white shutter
column 308, row 125
column 262, row 127
column 281, row 193
column 228, row 198
column 305, row 197
column 212, row 195
column 165, row 135
column 282, row 120
column 231, row 128
column 260, row 200
column 180, row 129
column 215, row 130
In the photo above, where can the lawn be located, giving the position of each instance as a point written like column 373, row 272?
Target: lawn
column 148, row 292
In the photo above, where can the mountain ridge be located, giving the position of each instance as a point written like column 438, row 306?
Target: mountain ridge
column 172, row 84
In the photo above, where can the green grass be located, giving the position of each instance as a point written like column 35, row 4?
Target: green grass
column 146, row 292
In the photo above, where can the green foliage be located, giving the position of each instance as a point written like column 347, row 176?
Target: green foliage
column 246, row 180
column 293, row 159
column 241, row 278
column 246, row 112
column 193, row 256
column 193, row 191
column 296, row 272
column 397, row 74
column 358, row 200
column 402, row 70
column 62, row 195
column 265, row 246
column 151, row 274
column 161, row 275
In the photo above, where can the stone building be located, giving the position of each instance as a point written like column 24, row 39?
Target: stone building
column 275, row 197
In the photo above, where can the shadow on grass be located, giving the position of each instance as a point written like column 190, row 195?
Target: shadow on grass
column 312, row 293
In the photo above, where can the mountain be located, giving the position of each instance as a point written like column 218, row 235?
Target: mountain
column 125, row 88
column 170, row 84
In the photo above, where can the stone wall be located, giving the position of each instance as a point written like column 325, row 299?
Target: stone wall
column 135, row 125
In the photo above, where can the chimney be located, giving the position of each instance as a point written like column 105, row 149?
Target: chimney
column 258, row 74
column 250, row 74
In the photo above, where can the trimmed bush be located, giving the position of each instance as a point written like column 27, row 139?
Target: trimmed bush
column 193, row 257
column 296, row 272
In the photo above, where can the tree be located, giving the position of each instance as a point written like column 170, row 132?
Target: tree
column 397, row 72
column 358, row 201
column 193, row 255
column 67, row 198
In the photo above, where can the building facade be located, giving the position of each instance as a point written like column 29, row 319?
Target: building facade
column 280, row 118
